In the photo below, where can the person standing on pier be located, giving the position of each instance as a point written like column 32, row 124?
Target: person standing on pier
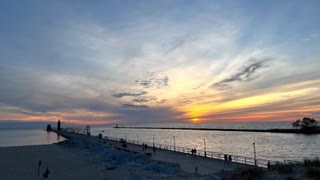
column 230, row 159
column 226, row 159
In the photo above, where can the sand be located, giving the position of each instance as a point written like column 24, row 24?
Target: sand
column 22, row 163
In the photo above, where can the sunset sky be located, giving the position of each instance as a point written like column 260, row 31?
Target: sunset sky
column 102, row 62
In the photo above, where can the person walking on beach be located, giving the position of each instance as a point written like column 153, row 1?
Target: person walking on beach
column 226, row 159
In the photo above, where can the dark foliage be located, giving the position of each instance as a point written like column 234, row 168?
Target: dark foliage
column 306, row 124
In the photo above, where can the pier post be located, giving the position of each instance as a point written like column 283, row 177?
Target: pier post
column 137, row 138
column 205, row 149
column 255, row 155
column 153, row 140
column 174, row 143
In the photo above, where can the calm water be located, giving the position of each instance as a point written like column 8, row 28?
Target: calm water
column 272, row 146
column 23, row 137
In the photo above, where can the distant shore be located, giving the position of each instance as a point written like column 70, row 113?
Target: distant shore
column 293, row 131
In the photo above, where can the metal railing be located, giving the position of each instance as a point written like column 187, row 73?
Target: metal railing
column 207, row 154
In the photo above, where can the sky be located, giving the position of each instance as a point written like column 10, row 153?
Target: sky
column 124, row 61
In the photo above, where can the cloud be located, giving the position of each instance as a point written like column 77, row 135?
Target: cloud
column 185, row 101
column 121, row 94
column 154, row 81
column 162, row 101
column 146, row 115
column 145, row 99
column 132, row 106
column 245, row 74
column 176, row 43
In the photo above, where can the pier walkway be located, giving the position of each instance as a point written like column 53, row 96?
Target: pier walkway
column 205, row 162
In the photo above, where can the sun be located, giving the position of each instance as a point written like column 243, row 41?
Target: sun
column 195, row 120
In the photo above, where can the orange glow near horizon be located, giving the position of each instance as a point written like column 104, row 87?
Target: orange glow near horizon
column 243, row 109
column 195, row 120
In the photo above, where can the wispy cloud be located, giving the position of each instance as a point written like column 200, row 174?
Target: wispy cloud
column 154, row 81
column 145, row 99
column 121, row 94
column 245, row 74
column 133, row 106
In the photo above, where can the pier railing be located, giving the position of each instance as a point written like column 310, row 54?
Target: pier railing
column 207, row 154
column 202, row 153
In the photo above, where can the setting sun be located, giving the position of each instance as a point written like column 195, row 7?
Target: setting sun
column 195, row 120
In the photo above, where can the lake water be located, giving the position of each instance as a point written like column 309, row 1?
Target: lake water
column 23, row 137
column 271, row 146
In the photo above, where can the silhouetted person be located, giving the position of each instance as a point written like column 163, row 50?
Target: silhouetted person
column 230, row 159
column 268, row 165
column 192, row 151
column 196, row 169
column 154, row 149
column 195, row 151
column 145, row 146
column 226, row 159
column 39, row 167
column 46, row 173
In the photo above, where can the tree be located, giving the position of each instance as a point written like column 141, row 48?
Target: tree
column 306, row 124
column 49, row 127
column 296, row 124
column 59, row 125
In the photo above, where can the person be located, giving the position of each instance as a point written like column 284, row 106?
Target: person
column 268, row 165
column 192, row 151
column 154, row 149
column 226, row 159
column 195, row 151
column 196, row 169
column 230, row 159
column 39, row 167
column 46, row 173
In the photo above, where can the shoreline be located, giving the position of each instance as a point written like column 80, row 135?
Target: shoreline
column 292, row 131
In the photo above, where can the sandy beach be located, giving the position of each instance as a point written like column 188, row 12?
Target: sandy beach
column 83, row 157
column 22, row 163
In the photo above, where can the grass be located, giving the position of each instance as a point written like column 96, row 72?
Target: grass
column 283, row 168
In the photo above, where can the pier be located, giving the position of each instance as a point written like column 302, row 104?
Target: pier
column 206, row 161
